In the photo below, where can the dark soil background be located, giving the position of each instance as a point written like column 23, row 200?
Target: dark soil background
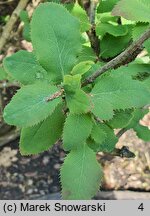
column 35, row 176
column 29, row 177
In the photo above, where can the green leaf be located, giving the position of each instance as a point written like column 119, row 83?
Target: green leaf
column 86, row 54
column 82, row 67
column 109, row 143
column 24, row 16
column 29, row 106
column 136, row 10
column 78, row 102
column 133, row 69
column 138, row 114
column 142, row 76
column 26, row 32
column 102, row 108
column 147, row 45
column 106, row 5
column 41, row 137
column 55, row 35
column 80, row 13
column 142, row 60
column 77, row 128
column 142, row 132
column 147, row 83
column 3, row 74
column 121, row 119
column 112, row 46
column 23, row 67
column 26, row 28
column 72, row 83
column 117, row 91
column 106, row 144
column 115, row 30
column 138, row 30
column 98, row 133
column 105, row 18
column 80, row 174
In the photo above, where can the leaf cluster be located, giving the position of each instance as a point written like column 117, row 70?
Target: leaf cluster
column 52, row 105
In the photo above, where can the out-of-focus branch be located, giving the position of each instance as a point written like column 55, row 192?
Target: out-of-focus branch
column 94, row 40
column 6, row 2
column 9, row 26
column 92, row 11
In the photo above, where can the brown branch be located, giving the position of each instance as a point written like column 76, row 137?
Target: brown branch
column 6, row 2
column 92, row 9
column 55, row 95
column 1, row 103
column 121, row 58
column 94, row 40
column 121, row 132
column 9, row 137
column 9, row 26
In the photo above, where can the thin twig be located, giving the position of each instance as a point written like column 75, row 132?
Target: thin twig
column 92, row 10
column 1, row 103
column 120, row 58
column 9, row 26
column 94, row 40
column 121, row 132
column 55, row 95
column 9, row 137
column 6, row 2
